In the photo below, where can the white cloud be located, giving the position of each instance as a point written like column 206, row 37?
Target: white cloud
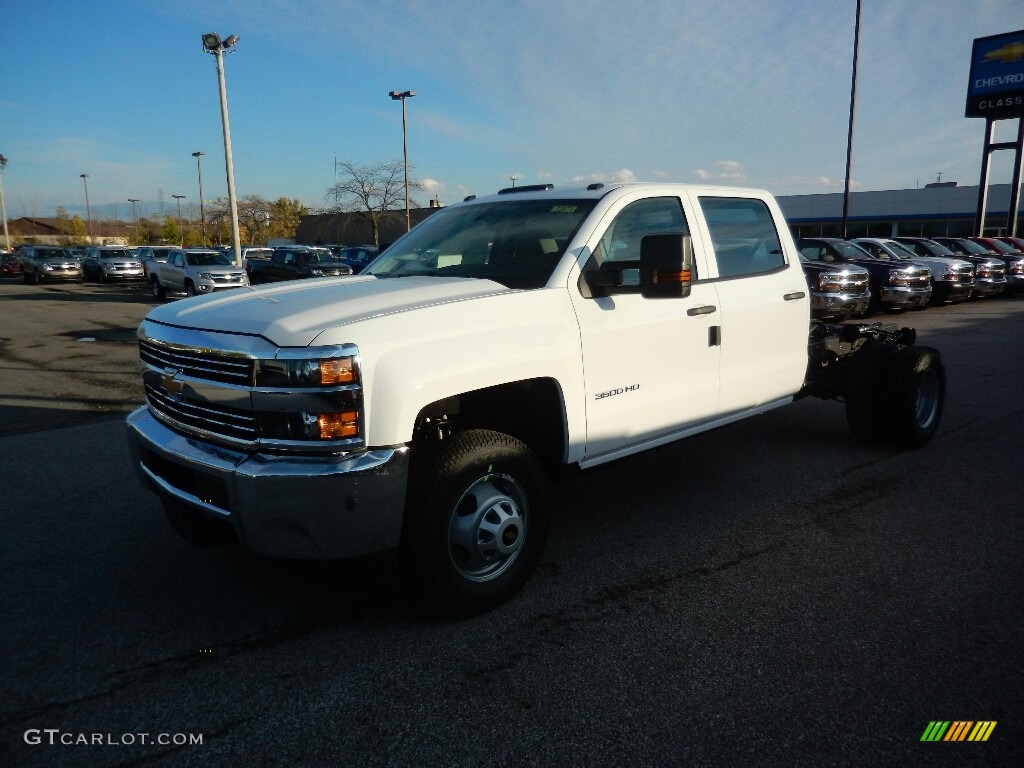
column 625, row 175
column 726, row 172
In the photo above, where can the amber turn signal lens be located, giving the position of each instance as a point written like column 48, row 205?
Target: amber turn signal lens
column 337, row 371
column 661, row 276
column 335, row 426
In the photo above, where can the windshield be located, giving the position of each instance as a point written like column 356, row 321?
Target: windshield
column 935, row 249
column 998, row 246
column 516, row 243
column 850, row 250
column 209, row 259
column 901, row 250
column 125, row 254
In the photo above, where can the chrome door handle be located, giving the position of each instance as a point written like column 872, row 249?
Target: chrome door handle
column 794, row 296
column 707, row 309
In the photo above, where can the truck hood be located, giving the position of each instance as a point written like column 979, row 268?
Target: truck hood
column 292, row 314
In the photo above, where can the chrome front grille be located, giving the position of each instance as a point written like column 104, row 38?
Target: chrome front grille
column 856, row 282
column 210, row 418
column 916, row 278
column 198, row 364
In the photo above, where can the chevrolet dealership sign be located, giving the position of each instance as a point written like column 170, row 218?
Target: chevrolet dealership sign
column 996, row 89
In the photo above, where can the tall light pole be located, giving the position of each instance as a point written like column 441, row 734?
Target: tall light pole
column 88, row 210
column 135, row 216
column 3, row 205
column 202, row 215
column 214, row 45
column 181, row 229
column 849, row 134
column 402, row 96
column 514, row 178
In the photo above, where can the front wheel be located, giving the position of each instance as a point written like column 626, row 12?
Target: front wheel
column 190, row 290
column 476, row 522
column 159, row 292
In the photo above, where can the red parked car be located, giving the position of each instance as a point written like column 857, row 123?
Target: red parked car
column 9, row 266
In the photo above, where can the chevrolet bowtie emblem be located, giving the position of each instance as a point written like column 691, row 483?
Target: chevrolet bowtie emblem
column 171, row 381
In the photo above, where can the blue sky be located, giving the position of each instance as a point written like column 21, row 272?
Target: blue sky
column 754, row 92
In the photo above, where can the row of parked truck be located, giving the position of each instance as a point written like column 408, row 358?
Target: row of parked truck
column 863, row 275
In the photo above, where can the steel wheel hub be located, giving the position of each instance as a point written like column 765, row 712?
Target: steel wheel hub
column 488, row 527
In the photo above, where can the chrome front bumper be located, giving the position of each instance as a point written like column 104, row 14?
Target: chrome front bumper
column 281, row 506
column 989, row 286
column 839, row 304
column 905, row 296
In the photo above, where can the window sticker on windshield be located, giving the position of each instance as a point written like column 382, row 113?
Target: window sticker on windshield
column 563, row 209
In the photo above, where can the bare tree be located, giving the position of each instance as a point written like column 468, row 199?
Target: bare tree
column 372, row 192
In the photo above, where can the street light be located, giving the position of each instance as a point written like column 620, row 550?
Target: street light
column 88, row 211
column 514, row 178
column 202, row 215
column 3, row 205
column 402, row 96
column 849, row 132
column 135, row 215
column 181, row 229
column 214, row 45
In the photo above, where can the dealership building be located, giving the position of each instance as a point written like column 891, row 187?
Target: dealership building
column 943, row 209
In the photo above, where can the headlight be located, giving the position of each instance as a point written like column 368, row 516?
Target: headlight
column 316, row 272
column 48, row 267
column 206, row 275
column 898, row 277
column 830, row 281
column 323, row 372
column 329, row 388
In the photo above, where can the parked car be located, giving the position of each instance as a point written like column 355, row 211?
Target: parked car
column 358, row 256
column 952, row 279
column 148, row 254
column 112, row 262
column 964, row 246
column 894, row 285
column 838, row 291
column 9, row 265
column 1016, row 243
column 48, row 263
column 195, row 271
column 989, row 271
column 294, row 263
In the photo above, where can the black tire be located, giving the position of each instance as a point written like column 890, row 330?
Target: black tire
column 476, row 522
column 25, row 278
column 190, row 290
column 865, row 397
column 915, row 383
column 159, row 292
column 194, row 527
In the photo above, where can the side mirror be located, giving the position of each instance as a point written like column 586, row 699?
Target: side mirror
column 666, row 266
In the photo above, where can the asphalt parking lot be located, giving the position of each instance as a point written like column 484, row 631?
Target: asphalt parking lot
column 771, row 594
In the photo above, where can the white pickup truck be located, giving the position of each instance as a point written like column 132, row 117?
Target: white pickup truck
column 194, row 271
column 424, row 403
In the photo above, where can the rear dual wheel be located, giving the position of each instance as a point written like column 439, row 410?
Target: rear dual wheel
column 896, row 395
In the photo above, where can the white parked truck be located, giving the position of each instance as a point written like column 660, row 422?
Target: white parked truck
column 424, row 403
column 194, row 272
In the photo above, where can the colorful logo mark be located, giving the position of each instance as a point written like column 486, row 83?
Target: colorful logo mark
column 958, row 730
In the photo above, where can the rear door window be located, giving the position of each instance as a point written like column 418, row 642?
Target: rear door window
column 743, row 236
